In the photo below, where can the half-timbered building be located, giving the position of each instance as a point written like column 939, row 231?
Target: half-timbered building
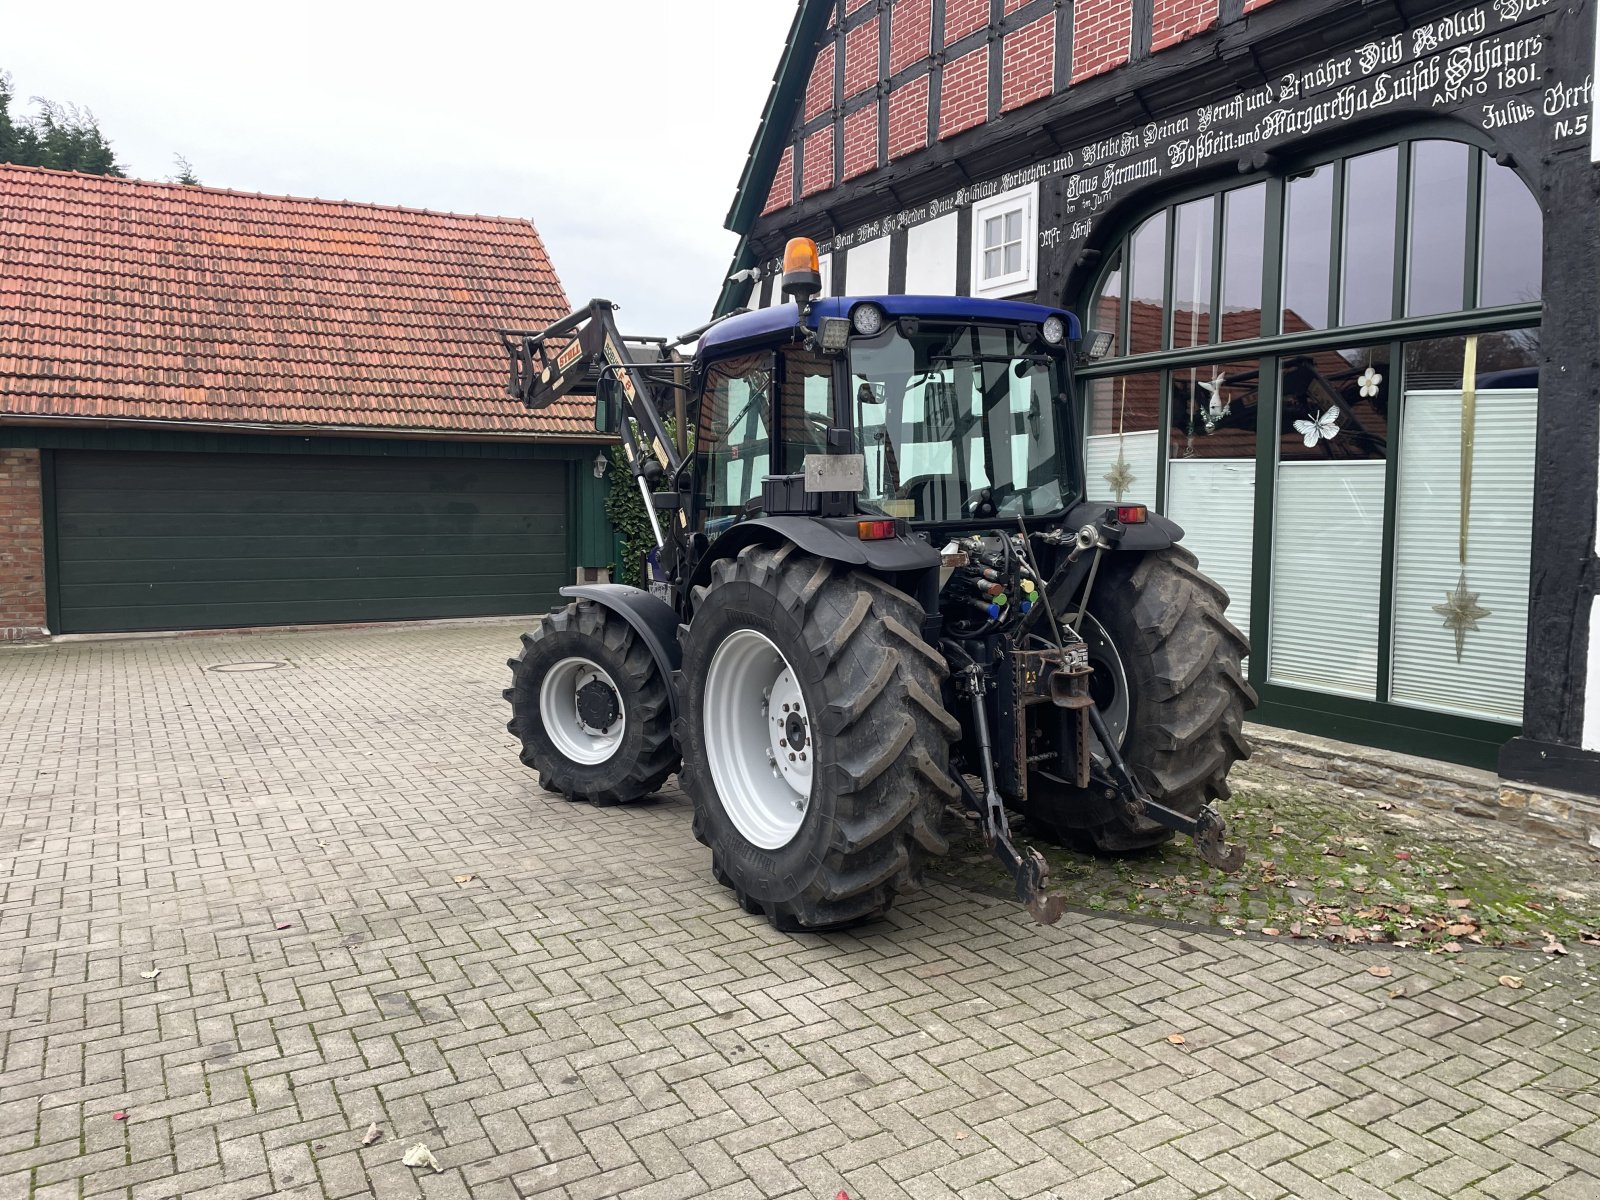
column 1337, row 268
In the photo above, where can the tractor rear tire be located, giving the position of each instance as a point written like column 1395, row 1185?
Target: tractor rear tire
column 585, row 659
column 816, row 746
column 1184, row 692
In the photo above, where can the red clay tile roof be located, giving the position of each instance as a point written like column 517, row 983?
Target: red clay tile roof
column 134, row 301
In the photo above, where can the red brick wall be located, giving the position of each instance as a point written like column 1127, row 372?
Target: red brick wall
column 1178, row 20
column 1028, row 71
column 861, row 58
column 817, row 173
column 908, row 118
column 861, row 141
column 962, row 17
column 1102, row 36
column 819, row 91
column 910, row 33
column 782, row 193
column 964, row 98
column 21, row 546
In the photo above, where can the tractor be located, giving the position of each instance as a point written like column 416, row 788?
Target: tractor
column 880, row 604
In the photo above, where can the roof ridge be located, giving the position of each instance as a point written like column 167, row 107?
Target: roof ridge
column 189, row 188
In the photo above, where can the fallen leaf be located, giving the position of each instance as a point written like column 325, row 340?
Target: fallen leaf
column 1589, row 938
column 1275, row 831
column 281, row 925
column 1535, row 905
column 373, row 1134
column 1403, row 855
column 1175, row 1038
column 1384, row 806
column 1380, row 972
column 1397, row 994
column 1460, row 902
column 1294, row 930
column 1461, row 930
column 1511, row 981
column 1333, row 919
column 119, row 1116
column 1555, row 948
column 842, row 1196
column 1270, row 932
column 1451, row 947
column 961, row 1135
column 1334, row 852
column 465, row 878
column 420, row 1156
column 150, row 974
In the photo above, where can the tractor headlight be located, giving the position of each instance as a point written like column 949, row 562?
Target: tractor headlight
column 868, row 319
column 1055, row 331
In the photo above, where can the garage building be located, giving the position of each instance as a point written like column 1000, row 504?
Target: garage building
column 222, row 410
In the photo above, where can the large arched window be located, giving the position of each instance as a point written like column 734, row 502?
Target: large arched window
column 1329, row 378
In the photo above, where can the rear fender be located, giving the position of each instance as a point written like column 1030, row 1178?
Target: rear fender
column 830, row 538
column 649, row 616
column 1157, row 533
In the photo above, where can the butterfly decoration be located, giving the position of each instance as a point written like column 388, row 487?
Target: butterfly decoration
column 1322, row 428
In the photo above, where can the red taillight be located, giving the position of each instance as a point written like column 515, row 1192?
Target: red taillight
column 1132, row 514
column 876, row 531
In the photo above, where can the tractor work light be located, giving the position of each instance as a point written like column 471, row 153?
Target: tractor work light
column 802, row 269
column 868, row 319
column 1100, row 343
column 835, row 334
column 1055, row 331
column 877, row 531
column 1132, row 514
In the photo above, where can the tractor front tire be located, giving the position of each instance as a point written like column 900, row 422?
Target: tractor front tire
column 815, row 744
column 1169, row 677
column 590, row 707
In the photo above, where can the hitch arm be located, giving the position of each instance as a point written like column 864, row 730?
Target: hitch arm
column 1028, row 869
column 1207, row 829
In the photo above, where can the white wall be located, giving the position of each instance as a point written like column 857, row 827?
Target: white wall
column 867, row 269
column 931, row 257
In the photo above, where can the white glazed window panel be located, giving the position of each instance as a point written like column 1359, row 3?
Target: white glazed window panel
column 1139, row 454
column 1327, row 563
column 1005, row 243
column 1487, row 682
column 1215, row 502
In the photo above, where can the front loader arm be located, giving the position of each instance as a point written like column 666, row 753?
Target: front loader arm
column 548, row 364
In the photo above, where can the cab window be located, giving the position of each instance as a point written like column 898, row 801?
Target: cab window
column 733, row 444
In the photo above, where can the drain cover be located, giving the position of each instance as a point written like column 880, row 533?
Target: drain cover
column 239, row 667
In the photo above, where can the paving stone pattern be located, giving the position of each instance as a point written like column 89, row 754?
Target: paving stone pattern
column 592, row 1016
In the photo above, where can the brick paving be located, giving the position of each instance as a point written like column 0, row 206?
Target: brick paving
column 591, row 1016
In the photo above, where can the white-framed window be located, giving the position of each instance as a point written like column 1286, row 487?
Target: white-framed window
column 1005, row 243
column 825, row 269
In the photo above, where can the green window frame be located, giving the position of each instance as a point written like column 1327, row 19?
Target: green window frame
column 1376, row 721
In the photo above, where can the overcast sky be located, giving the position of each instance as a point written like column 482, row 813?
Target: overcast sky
column 619, row 127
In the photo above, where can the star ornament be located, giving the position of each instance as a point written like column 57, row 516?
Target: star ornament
column 1120, row 477
column 1461, row 613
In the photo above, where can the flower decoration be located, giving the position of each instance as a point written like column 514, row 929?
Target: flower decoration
column 1370, row 383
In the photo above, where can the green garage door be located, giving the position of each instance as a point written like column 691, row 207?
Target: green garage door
column 193, row 541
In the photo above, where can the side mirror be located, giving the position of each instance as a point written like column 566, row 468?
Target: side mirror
column 608, row 405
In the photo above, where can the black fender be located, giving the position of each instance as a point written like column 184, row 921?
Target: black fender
column 649, row 616
column 1157, row 533
column 833, row 538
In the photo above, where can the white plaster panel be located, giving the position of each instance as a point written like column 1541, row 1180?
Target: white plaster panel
column 867, row 269
column 931, row 257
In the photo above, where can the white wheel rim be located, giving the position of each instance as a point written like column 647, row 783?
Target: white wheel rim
column 758, row 739
column 558, row 712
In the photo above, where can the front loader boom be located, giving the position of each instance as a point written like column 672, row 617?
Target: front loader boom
column 585, row 349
